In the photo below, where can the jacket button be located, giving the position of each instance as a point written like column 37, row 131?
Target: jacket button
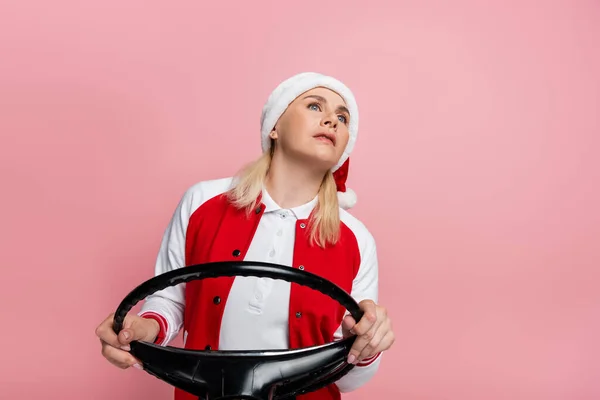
column 301, row 267
column 236, row 253
column 302, row 225
column 258, row 209
column 208, row 347
column 298, row 314
column 217, row 300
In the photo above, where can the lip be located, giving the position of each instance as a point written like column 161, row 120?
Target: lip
column 328, row 135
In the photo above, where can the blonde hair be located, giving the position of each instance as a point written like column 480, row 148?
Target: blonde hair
column 324, row 221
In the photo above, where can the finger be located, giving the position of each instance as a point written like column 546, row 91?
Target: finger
column 387, row 341
column 105, row 332
column 368, row 319
column 365, row 328
column 140, row 329
column 117, row 357
column 372, row 347
column 348, row 323
column 125, row 337
column 128, row 321
column 360, row 343
column 132, row 330
column 384, row 339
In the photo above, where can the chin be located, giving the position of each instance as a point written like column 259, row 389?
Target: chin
column 327, row 159
column 324, row 163
column 320, row 157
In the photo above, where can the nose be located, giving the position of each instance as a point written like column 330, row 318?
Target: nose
column 330, row 121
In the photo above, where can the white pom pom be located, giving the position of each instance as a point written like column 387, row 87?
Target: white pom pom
column 347, row 199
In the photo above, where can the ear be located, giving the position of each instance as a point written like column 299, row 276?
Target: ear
column 273, row 134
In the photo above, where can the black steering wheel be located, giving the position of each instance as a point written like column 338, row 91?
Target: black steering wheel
column 246, row 374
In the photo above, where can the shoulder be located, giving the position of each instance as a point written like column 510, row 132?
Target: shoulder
column 363, row 236
column 201, row 192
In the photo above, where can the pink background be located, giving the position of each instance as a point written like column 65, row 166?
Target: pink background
column 476, row 168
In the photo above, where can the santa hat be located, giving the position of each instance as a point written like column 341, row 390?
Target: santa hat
column 287, row 92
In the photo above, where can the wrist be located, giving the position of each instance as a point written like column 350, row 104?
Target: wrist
column 158, row 328
column 153, row 329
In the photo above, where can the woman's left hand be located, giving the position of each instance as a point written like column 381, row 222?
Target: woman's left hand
column 374, row 332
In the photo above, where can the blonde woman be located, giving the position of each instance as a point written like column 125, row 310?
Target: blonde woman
column 288, row 207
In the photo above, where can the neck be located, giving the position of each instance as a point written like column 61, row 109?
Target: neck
column 291, row 184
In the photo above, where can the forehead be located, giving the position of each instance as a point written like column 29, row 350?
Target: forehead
column 332, row 97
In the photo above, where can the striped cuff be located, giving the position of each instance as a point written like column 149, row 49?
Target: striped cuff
column 368, row 361
column 162, row 323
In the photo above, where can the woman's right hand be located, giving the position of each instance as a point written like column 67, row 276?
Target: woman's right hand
column 116, row 348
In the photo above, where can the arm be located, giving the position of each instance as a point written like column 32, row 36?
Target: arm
column 364, row 287
column 166, row 306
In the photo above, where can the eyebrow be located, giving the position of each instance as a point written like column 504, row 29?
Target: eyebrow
column 324, row 100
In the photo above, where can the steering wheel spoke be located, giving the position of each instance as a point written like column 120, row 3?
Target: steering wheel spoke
column 171, row 365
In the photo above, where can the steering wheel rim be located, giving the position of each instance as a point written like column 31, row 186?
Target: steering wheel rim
column 259, row 374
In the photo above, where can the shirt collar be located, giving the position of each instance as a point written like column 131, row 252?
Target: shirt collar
column 300, row 212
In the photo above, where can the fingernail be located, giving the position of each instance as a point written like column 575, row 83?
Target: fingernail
column 126, row 347
column 126, row 335
column 138, row 366
column 351, row 359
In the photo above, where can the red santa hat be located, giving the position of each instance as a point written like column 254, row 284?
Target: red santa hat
column 285, row 93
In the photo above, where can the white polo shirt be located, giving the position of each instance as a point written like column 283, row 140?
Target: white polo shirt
column 261, row 305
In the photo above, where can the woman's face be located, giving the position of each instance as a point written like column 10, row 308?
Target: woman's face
column 314, row 128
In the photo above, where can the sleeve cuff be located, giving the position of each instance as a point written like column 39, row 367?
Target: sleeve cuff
column 368, row 361
column 162, row 323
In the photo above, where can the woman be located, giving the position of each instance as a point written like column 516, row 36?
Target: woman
column 288, row 207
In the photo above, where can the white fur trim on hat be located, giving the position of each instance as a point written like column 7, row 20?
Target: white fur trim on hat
column 347, row 199
column 290, row 89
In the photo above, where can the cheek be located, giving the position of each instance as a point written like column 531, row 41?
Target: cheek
column 297, row 125
column 343, row 138
column 303, row 128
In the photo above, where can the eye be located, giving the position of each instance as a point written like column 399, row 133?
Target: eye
column 314, row 106
column 343, row 119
